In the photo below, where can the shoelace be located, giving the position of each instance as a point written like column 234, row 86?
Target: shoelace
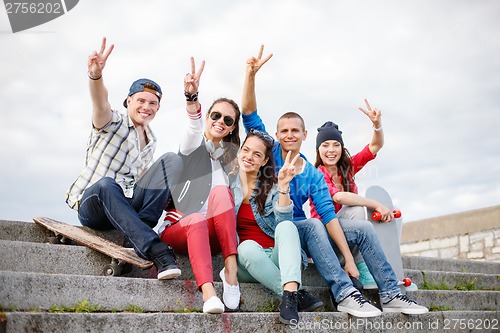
column 291, row 302
column 359, row 298
column 406, row 299
column 167, row 258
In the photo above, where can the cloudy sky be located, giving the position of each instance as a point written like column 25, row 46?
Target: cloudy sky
column 432, row 67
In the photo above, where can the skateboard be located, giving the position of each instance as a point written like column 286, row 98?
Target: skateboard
column 389, row 234
column 60, row 232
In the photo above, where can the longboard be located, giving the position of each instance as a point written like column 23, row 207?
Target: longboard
column 118, row 254
column 389, row 234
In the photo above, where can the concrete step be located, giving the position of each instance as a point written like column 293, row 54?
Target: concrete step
column 27, row 291
column 453, row 280
column 37, row 277
column 318, row 322
column 451, row 265
column 80, row 260
column 30, row 232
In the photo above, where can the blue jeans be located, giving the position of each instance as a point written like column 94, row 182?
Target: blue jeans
column 351, row 213
column 362, row 234
column 321, row 248
column 273, row 267
column 315, row 242
column 104, row 206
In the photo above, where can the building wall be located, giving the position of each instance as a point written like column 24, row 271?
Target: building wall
column 471, row 235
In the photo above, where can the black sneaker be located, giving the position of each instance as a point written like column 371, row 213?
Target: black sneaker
column 164, row 259
column 288, row 307
column 307, row 302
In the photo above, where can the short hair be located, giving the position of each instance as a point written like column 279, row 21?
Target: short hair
column 291, row 115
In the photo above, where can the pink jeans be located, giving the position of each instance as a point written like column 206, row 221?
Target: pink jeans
column 201, row 237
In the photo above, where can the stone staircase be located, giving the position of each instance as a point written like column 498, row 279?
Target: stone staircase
column 60, row 288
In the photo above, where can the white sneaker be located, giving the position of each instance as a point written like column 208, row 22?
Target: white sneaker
column 231, row 294
column 355, row 304
column 401, row 303
column 213, row 305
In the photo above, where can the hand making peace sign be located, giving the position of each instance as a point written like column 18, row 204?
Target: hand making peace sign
column 254, row 64
column 97, row 61
column 287, row 171
column 374, row 114
column 192, row 80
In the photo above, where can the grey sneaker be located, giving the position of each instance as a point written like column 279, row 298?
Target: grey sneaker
column 401, row 303
column 356, row 305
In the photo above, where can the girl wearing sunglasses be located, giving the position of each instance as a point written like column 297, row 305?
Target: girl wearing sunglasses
column 200, row 218
column 269, row 250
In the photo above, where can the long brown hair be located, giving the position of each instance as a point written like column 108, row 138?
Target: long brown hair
column 233, row 138
column 344, row 167
column 266, row 177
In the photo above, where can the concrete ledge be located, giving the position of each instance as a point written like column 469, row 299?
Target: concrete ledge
column 317, row 322
column 451, row 225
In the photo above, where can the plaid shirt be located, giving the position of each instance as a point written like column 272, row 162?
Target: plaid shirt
column 113, row 151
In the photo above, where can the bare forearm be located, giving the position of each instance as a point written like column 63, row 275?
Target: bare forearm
column 101, row 109
column 337, row 234
column 353, row 199
column 377, row 139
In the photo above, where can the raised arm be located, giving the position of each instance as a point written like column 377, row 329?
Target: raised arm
column 378, row 135
column 249, row 101
column 101, row 109
column 192, row 136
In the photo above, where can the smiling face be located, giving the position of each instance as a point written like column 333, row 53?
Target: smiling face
column 290, row 134
column 252, row 155
column 330, row 152
column 142, row 107
column 216, row 121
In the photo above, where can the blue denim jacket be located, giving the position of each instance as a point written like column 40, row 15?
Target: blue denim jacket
column 273, row 212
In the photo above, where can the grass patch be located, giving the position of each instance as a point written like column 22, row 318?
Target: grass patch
column 185, row 310
column 81, row 307
column 442, row 285
column 436, row 308
column 271, row 306
column 133, row 308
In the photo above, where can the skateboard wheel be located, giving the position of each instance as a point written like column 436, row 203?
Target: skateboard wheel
column 407, row 282
column 52, row 240
column 376, row 216
column 397, row 213
column 113, row 269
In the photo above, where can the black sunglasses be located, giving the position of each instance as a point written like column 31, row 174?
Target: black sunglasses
column 262, row 135
column 215, row 115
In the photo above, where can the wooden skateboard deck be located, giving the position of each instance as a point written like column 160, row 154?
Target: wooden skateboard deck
column 117, row 253
column 389, row 234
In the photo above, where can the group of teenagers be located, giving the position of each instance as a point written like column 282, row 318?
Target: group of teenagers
column 242, row 199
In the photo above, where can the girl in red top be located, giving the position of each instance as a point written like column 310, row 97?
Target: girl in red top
column 339, row 168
